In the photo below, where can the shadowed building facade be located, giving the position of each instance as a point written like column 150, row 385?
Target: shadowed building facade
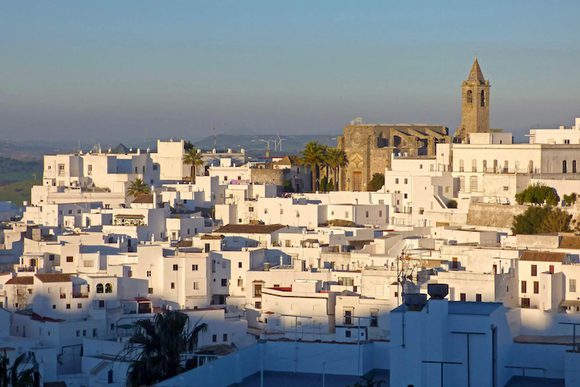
column 369, row 148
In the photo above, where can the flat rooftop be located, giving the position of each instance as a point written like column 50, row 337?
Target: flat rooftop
column 291, row 379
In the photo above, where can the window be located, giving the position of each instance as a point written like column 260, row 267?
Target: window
column 148, row 273
column 347, row 334
column 534, row 270
column 173, row 285
column 374, row 318
column 175, row 267
column 94, row 332
column 406, row 181
column 574, row 166
column 69, row 259
column 483, row 98
column 366, row 214
column 551, row 269
column 524, row 287
column 265, row 211
column 250, row 209
column 462, row 183
column 473, row 183
column 240, row 283
column 461, row 168
column 214, row 338
column 51, row 257
column 257, row 290
column 348, row 316
column 225, row 337
column 108, row 288
column 258, row 305
column 78, row 332
column 196, row 286
column 525, row 303
column 536, row 287
column 462, row 297
column 194, row 268
column 100, row 288
column 101, row 303
column 572, row 285
column 68, row 306
column 469, row 96
column 150, row 290
column 224, row 282
column 477, row 297
column 564, row 166
column 397, row 181
column 53, row 306
column 473, row 165
column 239, row 265
column 84, row 332
column 79, row 305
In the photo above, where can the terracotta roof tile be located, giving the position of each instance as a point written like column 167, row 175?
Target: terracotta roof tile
column 249, row 228
column 21, row 280
column 53, row 277
column 542, row 256
column 144, row 199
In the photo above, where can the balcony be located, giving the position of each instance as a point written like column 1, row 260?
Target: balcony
column 26, row 269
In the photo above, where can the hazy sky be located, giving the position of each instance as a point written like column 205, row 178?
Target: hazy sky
column 99, row 70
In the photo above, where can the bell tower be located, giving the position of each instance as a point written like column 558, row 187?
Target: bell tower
column 474, row 104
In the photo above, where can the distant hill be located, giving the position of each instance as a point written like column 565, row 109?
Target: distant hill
column 17, row 177
column 253, row 143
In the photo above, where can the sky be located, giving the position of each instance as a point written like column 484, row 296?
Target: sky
column 130, row 70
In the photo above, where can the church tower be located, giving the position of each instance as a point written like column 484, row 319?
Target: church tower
column 474, row 104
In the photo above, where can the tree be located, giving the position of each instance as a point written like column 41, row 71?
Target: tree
column 188, row 145
column 23, row 372
column 377, row 182
column 538, row 194
column 570, row 199
column 536, row 220
column 193, row 157
column 138, row 187
column 313, row 156
column 336, row 159
column 156, row 348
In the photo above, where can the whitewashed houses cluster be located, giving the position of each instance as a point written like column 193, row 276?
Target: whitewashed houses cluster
column 297, row 271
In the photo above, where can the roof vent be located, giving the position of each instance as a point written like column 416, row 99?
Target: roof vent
column 438, row 291
column 415, row 301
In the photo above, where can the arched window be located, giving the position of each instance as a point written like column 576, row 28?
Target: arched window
column 469, row 96
column 99, row 288
column 108, row 288
column 483, row 98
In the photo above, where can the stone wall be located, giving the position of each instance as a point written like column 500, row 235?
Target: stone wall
column 493, row 215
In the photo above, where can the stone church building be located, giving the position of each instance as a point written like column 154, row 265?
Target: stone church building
column 369, row 146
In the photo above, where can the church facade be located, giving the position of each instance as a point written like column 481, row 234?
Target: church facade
column 369, row 146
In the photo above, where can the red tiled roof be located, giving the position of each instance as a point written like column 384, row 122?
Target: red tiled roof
column 249, row 228
column 143, row 198
column 542, row 256
column 23, row 280
column 53, row 277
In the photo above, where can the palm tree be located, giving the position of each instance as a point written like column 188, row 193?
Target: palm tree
column 138, row 187
column 23, row 372
column 336, row 159
column 156, row 349
column 193, row 157
column 313, row 156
